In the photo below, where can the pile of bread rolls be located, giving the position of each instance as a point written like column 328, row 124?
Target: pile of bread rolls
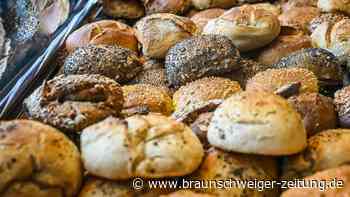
column 195, row 90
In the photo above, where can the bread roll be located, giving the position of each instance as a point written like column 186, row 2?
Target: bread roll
column 273, row 8
column 342, row 103
column 283, row 46
column 74, row 102
column 248, row 27
column 151, row 146
column 299, row 17
column 201, row 18
column 334, row 5
column 111, row 61
column 129, row 9
column 37, row 160
column 275, row 80
column 341, row 174
column 329, row 18
column 103, row 32
column 143, row 99
column 325, row 150
column 203, row 90
column 200, row 56
column 200, row 127
column 159, row 32
column 321, row 62
column 166, row 6
column 291, row 4
column 205, row 4
column 257, row 122
column 220, row 165
column 317, row 111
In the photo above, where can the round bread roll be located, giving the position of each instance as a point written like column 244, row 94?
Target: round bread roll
column 321, row 62
column 341, row 174
column 283, row 46
column 334, row 37
column 103, row 32
column 74, row 102
column 200, row 127
column 220, row 166
column 247, row 26
column 151, row 146
column 129, row 9
column 203, row 90
column 273, row 8
column 143, row 99
column 329, row 18
column 334, row 5
column 342, row 103
column 327, row 149
column 257, row 122
column 299, row 17
column 187, row 193
column 159, row 32
column 284, row 82
column 111, row 61
column 37, row 160
column 317, row 111
column 201, row 18
column 166, row 6
column 291, row 4
column 200, row 56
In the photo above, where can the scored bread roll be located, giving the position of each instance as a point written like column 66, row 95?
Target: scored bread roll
column 166, row 6
column 151, row 146
column 257, row 122
column 247, row 26
column 103, row 32
column 327, row 149
column 159, row 32
column 129, row 9
column 201, row 18
column 334, row 5
column 37, row 160
column 341, row 186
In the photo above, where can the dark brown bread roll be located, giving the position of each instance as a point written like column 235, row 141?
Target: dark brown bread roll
column 111, row 61
column 74, row 102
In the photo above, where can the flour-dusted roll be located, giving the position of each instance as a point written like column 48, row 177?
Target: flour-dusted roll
column 151, row 146
column 334, row 5
column 37, row 160
column 341, row 185
column 248, row 27
column 129, row 9
column 219, row 165
column 112, row 61
column 159, row 32
column 284, row 82
column 201, row 56
column 103, row 32
column 166, row 6
column 74, row 102
column 327, row 149
column 144, row 99
column 259, row 123
column 201, row 18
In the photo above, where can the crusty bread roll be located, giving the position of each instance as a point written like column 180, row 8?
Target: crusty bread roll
column 277, row 80
column 273, row 8
column 291, row 4
column 103, row 32
column 166, row 6
column 317, row 111
column 257, row 122
column 335, row 37
column 201, row 56
column 201, row 18
column 37, row 160
column 339, row 188
column 327, row 149
column 205, row 4
column 334, row 5
column 283, row 46
column 202, row 90
column 129, row 9
column 342, row 103
column 329, row 18
column 159, row 32
column 247, row 26
column 151, row 146
column 143, row 99
column 298, row 18
column 74, row 102
column 221, row 166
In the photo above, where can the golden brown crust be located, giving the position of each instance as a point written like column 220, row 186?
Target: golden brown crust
column 37, row 160
column 166, row 6
column 103, row 32
column 143, row 99
column 130, row 9
column 201, row 18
